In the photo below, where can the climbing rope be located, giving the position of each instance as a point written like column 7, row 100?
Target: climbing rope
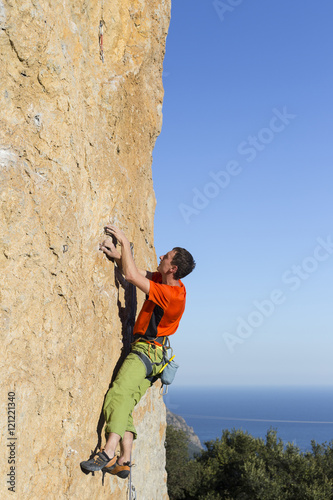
column 130, row 324
column 130, row 496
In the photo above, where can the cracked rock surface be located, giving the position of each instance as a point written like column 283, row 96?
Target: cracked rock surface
column 76, row 142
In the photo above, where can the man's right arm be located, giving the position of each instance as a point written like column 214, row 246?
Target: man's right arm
column 146, row 274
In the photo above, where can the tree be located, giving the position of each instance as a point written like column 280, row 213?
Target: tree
column 241, row 467
column 182, row 472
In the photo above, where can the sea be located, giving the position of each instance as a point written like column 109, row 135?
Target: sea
column 298, row 414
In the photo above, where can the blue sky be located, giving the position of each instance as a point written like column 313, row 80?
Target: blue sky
column 243, row 179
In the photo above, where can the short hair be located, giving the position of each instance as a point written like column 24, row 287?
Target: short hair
column 184, row 262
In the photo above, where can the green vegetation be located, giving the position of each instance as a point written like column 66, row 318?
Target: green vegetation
column 183, row 473
column 241, row 467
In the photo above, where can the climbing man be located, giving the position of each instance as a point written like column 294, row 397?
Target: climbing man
column 158, row 319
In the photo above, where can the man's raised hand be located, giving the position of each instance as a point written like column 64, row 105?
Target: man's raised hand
column 108, row 247
column 112, row 230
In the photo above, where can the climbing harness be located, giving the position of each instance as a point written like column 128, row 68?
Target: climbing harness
column 169, row 368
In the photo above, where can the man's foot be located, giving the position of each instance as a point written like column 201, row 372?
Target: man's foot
column 119, row 470
column 99, row 461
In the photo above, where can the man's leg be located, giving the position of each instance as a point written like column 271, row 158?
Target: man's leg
column 122, row 468
column 120, row 400
column 126, row 441
column 126, row 448
column 111, row 444
column 126, row 391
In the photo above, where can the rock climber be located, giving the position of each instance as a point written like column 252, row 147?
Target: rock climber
column 158, row 319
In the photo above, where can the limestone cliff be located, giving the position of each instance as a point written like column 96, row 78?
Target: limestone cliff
column 179, row 423
column 76, row 144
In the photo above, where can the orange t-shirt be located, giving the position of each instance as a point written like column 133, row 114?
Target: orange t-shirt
column 162, row 310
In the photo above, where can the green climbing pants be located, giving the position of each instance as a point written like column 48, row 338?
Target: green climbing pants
column 128, row 388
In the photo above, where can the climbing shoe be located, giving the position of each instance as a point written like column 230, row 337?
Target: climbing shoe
column 119, row 470
column 99, row 461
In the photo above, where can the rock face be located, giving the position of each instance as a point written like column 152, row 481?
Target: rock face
column 76, row 144
column 179, row 422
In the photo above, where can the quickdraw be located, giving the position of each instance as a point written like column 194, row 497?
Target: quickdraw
column 100, row 36
column 101, row 48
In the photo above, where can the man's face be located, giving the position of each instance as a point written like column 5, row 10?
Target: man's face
column 165, row 265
